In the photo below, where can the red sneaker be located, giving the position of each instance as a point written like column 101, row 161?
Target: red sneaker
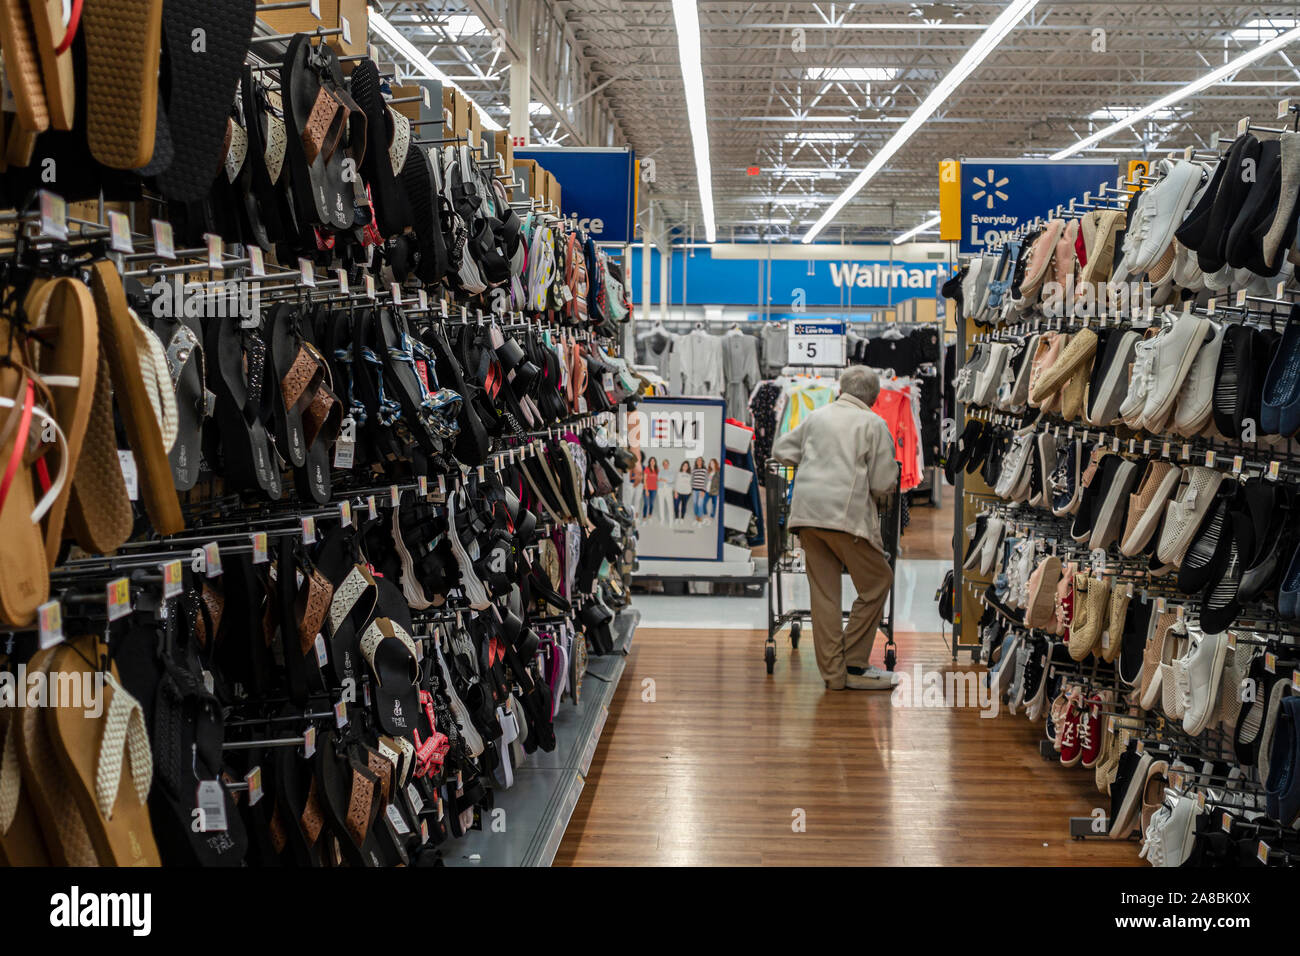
column 1070, row 745
column 1091, row 732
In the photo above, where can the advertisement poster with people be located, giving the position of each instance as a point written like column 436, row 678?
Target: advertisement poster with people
column 677, row 492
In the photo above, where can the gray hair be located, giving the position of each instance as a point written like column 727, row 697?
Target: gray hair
column 860, row 382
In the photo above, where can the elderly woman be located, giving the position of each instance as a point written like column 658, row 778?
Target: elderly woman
column 845, row 457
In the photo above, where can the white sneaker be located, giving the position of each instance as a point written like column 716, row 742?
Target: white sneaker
column 1144, row 356
column 1178, row 836
column 1196, row 397
column 1204, row 669
column 864, row 682
column 1175, row 352
column 1162, row 210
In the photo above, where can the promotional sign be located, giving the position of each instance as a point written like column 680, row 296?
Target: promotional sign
column 596, row 186
column 993, row 197
column 678, row 497
column 796, row 284
column 818, row 344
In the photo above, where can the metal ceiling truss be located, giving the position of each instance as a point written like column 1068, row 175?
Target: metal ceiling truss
column 608, row 74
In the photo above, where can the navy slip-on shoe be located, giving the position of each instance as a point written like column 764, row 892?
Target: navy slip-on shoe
column 1280, row 404
column 1283, row 785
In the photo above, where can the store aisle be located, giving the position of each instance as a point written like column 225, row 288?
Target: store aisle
column 716, row 766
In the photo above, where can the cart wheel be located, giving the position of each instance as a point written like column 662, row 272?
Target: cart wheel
column 891, row 654
column 795, row 628
column 769, row 657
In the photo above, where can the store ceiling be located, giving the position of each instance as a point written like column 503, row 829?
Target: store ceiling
column 808, row 109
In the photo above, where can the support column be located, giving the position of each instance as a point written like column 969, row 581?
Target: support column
column 521, row 71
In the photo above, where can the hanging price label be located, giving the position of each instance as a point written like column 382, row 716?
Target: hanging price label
column 260, row 555
column 119, row 233
column 212, row 559
column 54, row 215
column 309, row 529
column 256, row 261
column 50, row 618
column 214, row 250
column 254, row 780
column 119, row 598
column 173, row 579
column 345, row 512
column 164, row 246
column 307, row 271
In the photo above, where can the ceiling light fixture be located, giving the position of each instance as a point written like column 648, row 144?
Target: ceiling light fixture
column 687, row 19
column 917, row 230
column 393, row 37
column 1178, row 95
column 973, row 57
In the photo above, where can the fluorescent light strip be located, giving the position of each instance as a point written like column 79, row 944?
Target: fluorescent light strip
column 393, row 37
column 973, row 57
column 687, row 19
column 1177, row 96
column 917, row 230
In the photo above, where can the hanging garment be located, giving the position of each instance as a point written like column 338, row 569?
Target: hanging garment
column 776, row 348
column 697, row 364
column 740, row 369
column 896, row 408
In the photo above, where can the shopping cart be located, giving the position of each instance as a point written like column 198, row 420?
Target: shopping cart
column 781, row 561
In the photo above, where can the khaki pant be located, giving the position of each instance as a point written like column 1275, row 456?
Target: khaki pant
column 827, row 554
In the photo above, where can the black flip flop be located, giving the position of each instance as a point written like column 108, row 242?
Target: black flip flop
column 205, row 43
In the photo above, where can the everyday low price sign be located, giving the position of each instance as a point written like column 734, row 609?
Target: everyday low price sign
column 981, row 201
column 817, row 343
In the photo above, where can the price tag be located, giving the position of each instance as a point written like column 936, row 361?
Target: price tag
column 1273, row 471
column 341, row 714
column 307, row 272
column 394, row 495
column 370, row 507
column 119, row 599
column 1146, row 446
column 211, row 559
column 309, row 529
column 423, row 485
column 214, row 250
column 309, row 741
column 396, row 290
column 1209, row 459
column 1114, row 444
column 1270, row 662
column 130, row 475
column 342, row 276
column 370, row 286
column 254, row 780
column 395, row 818
column 1236, row 464
column 1164, row 449
column 345, row 511
column 50, row 616
column 321, row 657
column 212, row 807
column 1262, row 850
column 260, row 555
column 424, row 828
column 1295, row 680
column 256, row 261
column 164, row 246
column 1226, row 822
column 119, row 233
column 173, row 579
column 1187, row 452
column 819, row 344
column 423, row 297
column 54, row 215
column 345, row 447
column 442, row 485
column 413, row 794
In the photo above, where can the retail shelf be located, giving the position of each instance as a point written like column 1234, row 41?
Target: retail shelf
column 536, row 810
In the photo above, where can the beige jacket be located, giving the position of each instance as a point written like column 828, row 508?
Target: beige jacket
column 845, row 459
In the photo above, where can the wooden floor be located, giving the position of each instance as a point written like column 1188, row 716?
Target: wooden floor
column 719, row 767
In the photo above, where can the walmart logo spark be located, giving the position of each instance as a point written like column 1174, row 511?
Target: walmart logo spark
column 988, row 188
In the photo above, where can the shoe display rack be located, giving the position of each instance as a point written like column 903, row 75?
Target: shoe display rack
column 1131, row 525
column 528, row 821
column 311, row 472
